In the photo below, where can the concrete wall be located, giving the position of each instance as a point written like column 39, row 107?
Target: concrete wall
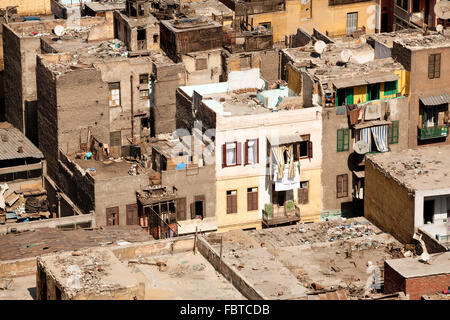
column 229, row 272
column 117, row 192
column 168, row 77
column 29, row 7
column 212, row 72
column 120, row 117
column 422, row 87
column 203, row 178
column 17, row 268
column 391, row 210
column 287, row 22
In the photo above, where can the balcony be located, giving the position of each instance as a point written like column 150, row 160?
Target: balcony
column 432, row 132
column 275, row 215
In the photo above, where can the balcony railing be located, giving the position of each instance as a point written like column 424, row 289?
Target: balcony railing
column 433, row 132
column 280, row 215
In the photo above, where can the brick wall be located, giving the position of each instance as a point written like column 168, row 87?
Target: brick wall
column 417, row 287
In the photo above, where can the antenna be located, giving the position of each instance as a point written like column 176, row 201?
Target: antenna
column 59, row 30
column 346, row 54
column 442, row 9
column 319, row 47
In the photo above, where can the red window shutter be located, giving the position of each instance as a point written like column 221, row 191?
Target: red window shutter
column 257, row 150
column 246, row 152
column 310, row 149
column 238, row 153
column 224, row 155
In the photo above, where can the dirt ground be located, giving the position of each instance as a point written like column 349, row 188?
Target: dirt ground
column 23, row 288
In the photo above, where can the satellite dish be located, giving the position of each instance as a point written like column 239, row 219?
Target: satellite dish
column 442, row 9
column 346, row 54
column 260, row 84
column 320, row 46
column 361, row 147
column 59, row 30
column 439, row 28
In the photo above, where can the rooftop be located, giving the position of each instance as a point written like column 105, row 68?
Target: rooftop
column 439, row 263
column 388, row 38
column 100, row 272
column 109, row 168
column 14, row 144
column 426, row 42
column 209, row 7
column 416, row 169
column 190, row 24
column 105, row 6
column 329, row 65
column 285, row 262
column 238, row 98
column 46, row 240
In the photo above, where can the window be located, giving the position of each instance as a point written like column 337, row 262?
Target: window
column 115, row 138
column 143, row 78
column 200, row 64
column 434, row 66
column 344, row 97
column 373, row 91
column 303, row 149
column 393, row 132
column 266, row 25
column 303, row 192
column 143, row 94
column 251, row 151
column 141, row 34
column 252, row 199
column 112, row 216
column 198, row 207
column 232, row 201
column 114, row 94
column 390, row 88
column 343, row 138
column 231, row 154
column 342, row 186
column 352, row 22
column 155, row 38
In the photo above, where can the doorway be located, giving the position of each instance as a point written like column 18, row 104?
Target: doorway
column 142, row 39
column 373, row 91
column 428, row 211
column 352, row 22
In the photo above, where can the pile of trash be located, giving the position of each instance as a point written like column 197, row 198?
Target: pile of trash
column 348, row 231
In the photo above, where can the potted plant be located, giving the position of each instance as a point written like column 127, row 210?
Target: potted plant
column 268, row 208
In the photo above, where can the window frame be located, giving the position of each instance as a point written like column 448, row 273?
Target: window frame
column 229, row 210
column 252, row 194
column 342, row 179
column 345, row 144
column 393, row 132
column 246, row 151
column 237, row 148
column 114, row 86
column 433, row 71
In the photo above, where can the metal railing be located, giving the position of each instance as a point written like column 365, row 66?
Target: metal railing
column 433, row 132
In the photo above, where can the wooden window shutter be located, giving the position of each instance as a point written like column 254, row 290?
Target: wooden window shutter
column 238, row 153
column 249, row 201
column 224, row 155
column 345, row 185
column 246, row 152
column 431, row 66
column 181, row 208
column 437, row 65
column 310, row 149
column 339, row 186
column 234, row 202
column 192, row 207
column 257, row 150
column 229, row 204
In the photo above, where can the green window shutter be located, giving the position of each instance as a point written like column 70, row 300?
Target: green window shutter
column 393, row 132
column 349, row 95
column 390, row 88
column 343, row 140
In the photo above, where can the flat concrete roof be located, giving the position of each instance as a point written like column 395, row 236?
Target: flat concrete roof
column 108, row 168
column 186, row 276
column 283, row 262
column 46, row 240
column 100, row 270
column 190, row 24
column 425, row 168
column 413, row 268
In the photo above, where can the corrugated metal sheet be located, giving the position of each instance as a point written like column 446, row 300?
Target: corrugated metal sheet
column 371, row 124
column 369, row 79
column 11, row 139
column 276, row 140
column 436, row 100
column 347, row 83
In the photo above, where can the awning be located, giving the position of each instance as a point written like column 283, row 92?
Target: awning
column 276, row 140
column 359, row 174
column 436, row 100
column 347, row 83
column 364, row 80
column 381, row 77
column 371, row 124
